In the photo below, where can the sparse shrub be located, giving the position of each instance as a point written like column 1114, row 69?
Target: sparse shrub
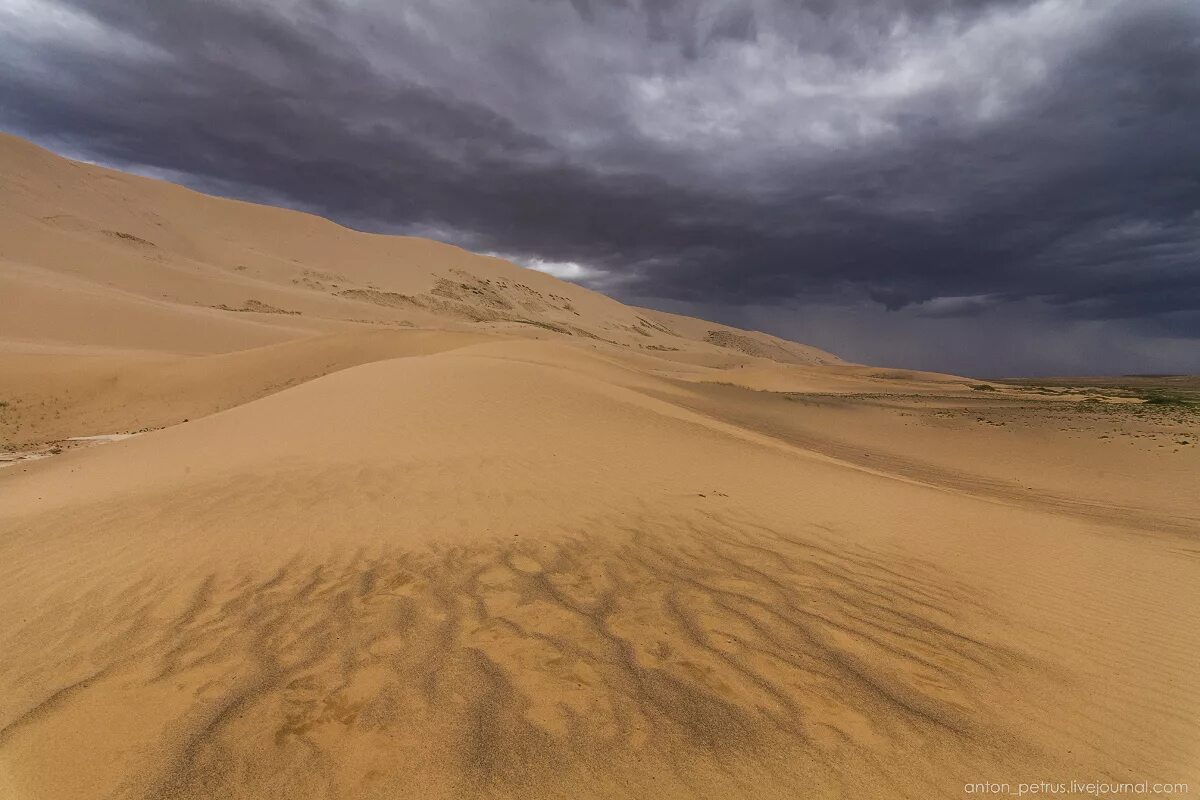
column 1165, row 399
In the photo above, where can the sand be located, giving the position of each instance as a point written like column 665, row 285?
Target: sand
column 403, row 521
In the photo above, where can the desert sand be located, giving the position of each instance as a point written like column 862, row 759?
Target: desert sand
column 293, row 511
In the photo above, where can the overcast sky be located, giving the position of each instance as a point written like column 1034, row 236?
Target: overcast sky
column 985, row 187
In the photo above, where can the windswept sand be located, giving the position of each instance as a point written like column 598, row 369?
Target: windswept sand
column 456, row 529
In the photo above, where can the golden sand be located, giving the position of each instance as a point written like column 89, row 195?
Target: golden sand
column 403, row 521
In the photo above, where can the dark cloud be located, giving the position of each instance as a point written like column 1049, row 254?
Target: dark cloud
column 921, row 166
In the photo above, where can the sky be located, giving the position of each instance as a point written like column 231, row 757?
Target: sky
column 983, row 187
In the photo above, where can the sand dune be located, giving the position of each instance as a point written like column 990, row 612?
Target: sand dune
column 78, row 236
column 456, row 529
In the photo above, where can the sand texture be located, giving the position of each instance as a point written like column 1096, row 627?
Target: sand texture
column 291, row 511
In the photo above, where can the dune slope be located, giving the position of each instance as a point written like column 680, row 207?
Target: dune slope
column 102, row 259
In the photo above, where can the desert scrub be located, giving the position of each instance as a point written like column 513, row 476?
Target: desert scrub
column 1164, row 399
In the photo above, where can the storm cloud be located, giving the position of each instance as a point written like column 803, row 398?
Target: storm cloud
column 978, row 186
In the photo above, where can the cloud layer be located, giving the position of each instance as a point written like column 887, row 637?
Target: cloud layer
column 925, row 167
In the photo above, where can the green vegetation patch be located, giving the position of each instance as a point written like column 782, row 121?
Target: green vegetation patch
column 1171, row 400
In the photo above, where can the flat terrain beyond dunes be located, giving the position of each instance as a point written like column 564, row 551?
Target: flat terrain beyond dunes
column 425, row 533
